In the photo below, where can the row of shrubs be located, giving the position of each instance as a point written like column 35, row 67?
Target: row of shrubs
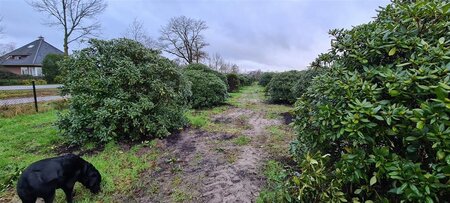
column 286, row 87
column 122, row 90
column 374, row 125
column 7, row 78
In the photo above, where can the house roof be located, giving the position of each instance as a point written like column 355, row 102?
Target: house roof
column 32, row 54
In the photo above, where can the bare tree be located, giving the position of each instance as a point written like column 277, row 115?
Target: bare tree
column 136, row 31
column 234, row 69
column 72, row 16
column 215, row 61
column 182, row 37
column 225, row 67
column 6, row 48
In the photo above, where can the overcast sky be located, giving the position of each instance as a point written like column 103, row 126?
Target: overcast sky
column 271, row 35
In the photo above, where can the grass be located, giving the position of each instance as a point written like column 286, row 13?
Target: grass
column 279, row 140
column 197, row 119
column 8, row 111
column 23, row 140
column 242, row 140
column 274, row 190
column 10, row 94
column 120, row 170
column 27, row 138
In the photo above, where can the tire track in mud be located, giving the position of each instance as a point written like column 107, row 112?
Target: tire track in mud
column 201, row 166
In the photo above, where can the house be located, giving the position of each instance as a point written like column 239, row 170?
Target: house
column 27, row 60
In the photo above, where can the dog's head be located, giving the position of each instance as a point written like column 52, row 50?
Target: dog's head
column 91, row 178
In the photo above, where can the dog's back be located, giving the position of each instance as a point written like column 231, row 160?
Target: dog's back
column 43, row 177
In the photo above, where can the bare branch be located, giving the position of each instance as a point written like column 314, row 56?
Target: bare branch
column 182, row 37
column 76, row 17
column 136, row 32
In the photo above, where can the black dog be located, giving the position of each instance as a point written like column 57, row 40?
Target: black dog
column 42, row 178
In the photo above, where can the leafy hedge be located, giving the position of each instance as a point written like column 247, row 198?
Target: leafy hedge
column 233, row 82
column 207, row 89
column 375, row 127
column 245, row 80
column 8, row 78
column 205, row 68
column 50, row 68
column 121, row 90
column 317, row 67
column 279, row 89
column 265, row 78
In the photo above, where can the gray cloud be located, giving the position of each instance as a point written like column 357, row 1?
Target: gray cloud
column 255, row 34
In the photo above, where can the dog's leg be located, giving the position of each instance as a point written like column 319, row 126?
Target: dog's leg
column 50, row 197
column 29, row 200
column 69, row 193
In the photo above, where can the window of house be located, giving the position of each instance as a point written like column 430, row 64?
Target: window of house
column 38, row 71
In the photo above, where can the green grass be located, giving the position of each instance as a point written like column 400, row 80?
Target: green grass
column 253, row 92
column 242, row 140
column 275, row 189
column 278, row 140
column 197, row 119
column 29, row 138
column 120, row 171
column 23, row 140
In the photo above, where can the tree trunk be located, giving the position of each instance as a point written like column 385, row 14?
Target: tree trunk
column 66, row 36
column 66, row 47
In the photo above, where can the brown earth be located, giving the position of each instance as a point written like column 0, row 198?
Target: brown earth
column 202, row 166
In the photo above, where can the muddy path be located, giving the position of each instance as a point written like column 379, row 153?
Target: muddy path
column 220, row 163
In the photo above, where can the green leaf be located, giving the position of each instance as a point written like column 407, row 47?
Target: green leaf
column 403, row 64
column 392, row 51
column 401, row 188
column 357, row 191
column 380, row 118
column 411, row 138
column 373, row 180
column 440, row 154
column 420, row 125
column 445, row 86
column 414, row 189
column 394, row 93
column 446, row 8
column 441, row 40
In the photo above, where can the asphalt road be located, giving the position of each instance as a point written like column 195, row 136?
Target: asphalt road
column 29, row 87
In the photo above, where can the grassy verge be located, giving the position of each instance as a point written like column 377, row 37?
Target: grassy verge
column 10, row 94
column 23, row 140
column 27, row 138
column 275, row 190
column 8, row 111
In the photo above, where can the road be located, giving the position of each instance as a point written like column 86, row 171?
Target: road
column 29, row 100
column 29, row 87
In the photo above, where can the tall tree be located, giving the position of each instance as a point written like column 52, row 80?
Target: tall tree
column 74, row 16
column 235, row 69
column 182, row 37
column 6, row 48
column 215, row 61
column 136, row 31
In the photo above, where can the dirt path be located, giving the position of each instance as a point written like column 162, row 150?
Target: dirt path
column 222, row 163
